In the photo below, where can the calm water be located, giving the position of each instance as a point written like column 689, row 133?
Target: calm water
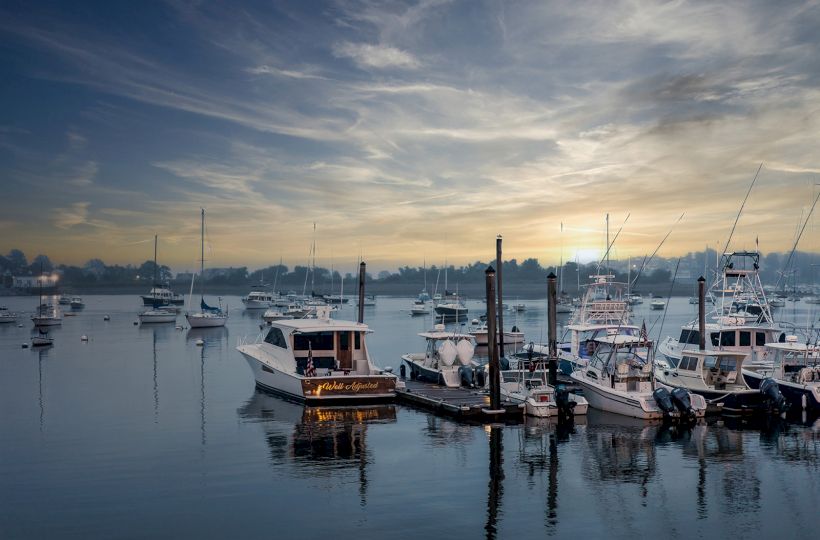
column 138, row 432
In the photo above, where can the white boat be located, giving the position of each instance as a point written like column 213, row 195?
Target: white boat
column 64, row 300
column 657, row 305
column 529, row 388
column 777, row 302
column 259, row 298
column 162, row 295
column 717, row 376
column 46, row 314
column 7, row 316
column 76, row 302
column 157, row 316
column 512, row 337
column 419, row 307
column 453, row 308
column 618, row 379
column 207, row 316
column 796, row 370
column 274, row 314
column 42, row 340
column 447, row 353
column 519, row 307
column 318, row 360
column 634, row 299
column 740, row 319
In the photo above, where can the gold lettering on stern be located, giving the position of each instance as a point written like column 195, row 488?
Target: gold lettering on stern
column 341, row 387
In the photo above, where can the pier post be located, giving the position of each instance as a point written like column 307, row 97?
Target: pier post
column 495, row 375
column 362, row 267
column 552, row 330
column 499, row 264
column 702, row 313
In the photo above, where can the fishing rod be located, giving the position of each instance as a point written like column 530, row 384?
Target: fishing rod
column 797, row 240
column 737, row 218
column 609, row 247
column 648, row 260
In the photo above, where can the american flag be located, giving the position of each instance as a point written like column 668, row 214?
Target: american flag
column 310, row 370
column 644, row 333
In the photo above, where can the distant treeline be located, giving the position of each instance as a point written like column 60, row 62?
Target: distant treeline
column 298, row 278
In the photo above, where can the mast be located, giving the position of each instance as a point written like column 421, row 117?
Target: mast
column 313, row 271
column 561, row 271
column 155, row 261
column 202, row 257
column 425, row 275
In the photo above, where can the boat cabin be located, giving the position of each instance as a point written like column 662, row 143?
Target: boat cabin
column 741, row 336
column 336, row 349
column 795, row 362
column 584, row 338
column 623, row 362
column 713, row 370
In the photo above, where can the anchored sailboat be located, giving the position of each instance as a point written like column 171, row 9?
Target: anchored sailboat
column 207, row 316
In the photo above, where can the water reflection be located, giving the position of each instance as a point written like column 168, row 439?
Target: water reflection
column 321, row 441
column 495, row 488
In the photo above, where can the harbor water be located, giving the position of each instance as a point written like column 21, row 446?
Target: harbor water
column 139, row 431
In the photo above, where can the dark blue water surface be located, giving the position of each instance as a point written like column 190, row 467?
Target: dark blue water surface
column 138, row 432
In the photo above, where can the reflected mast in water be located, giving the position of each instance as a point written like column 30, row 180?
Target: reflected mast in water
column 495, row 487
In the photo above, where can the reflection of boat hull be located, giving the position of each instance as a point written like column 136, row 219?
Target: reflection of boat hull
column 46, row 321
column 794, row 393
column 38, row 341
column 256, row 304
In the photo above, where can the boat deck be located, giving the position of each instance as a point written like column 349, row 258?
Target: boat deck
column 462, row 403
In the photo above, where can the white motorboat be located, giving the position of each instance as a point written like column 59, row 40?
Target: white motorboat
column 740, row 319
column 7, row 316
column 162, row 295
column 529, row 387
column 447, row 353
column 657, row 305
column 512, row 337
column 207, row 316
column 717, row 376
column 634, row 299
column 259, row 298
column 318, row 360
column 618, row 379
column 76, row 302
column 453, row 309
column 796, row 370
column 275, row 315
column 157, row 316
column 64, row 300
column 419, row 307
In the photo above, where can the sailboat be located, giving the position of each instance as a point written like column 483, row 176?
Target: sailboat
column 207, row 316
column 46, row 315
column 160, row 311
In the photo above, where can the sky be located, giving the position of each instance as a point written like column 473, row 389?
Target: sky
column 406, row 131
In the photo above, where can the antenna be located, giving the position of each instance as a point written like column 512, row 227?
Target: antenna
column 725, row 249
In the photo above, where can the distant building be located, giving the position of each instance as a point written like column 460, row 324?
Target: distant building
column 26, row 283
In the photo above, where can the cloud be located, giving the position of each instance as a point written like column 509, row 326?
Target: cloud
column 83, row 174
column 76, row 214
column 366, row 56
column 268, row 70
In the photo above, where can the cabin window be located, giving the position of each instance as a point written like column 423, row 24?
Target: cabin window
column 745, row 339
column 727, row 339
column 728, row 364
column 684, row 336
column 357, row 340
column 694, row 337
column 715, row 339
column 760, row 338
column 344, row 341
column 276, row 338
column 709, row 362
column 319, row 341
column 688, row 363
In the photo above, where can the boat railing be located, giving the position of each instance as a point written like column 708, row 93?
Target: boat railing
column 249, row 340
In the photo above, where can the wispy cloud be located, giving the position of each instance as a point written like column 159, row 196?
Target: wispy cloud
column 76, row 214
column 366, row 55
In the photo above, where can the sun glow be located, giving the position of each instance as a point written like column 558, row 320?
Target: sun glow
column 588, row 255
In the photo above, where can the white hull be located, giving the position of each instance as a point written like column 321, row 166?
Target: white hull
column 47, row 321
column 205, row 320
column 256, row 304
column 290, row 385
column 510, row 338
column 448, row 374
column 7, row 319
column 157, row 317
column 638, row 405
column 41, row 342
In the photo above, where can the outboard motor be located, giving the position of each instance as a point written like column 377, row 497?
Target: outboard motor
column 683, row 401
column 566, row 407
column 770, row 389
column 466, row 373
column 479, row 377
column 504, row 362
column 664, row 400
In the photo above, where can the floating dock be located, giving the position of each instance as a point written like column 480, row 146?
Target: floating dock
column 462, row 403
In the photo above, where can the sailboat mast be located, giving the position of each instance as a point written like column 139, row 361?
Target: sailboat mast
column 155, row 260
column 202, row 256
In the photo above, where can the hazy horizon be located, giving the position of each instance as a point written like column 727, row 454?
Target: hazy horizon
column 405, row 131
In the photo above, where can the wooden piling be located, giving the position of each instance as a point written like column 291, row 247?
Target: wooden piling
column 495, row 375
column 362, row 267
column 552, row 333
column 702, row 313
column 500, row 307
